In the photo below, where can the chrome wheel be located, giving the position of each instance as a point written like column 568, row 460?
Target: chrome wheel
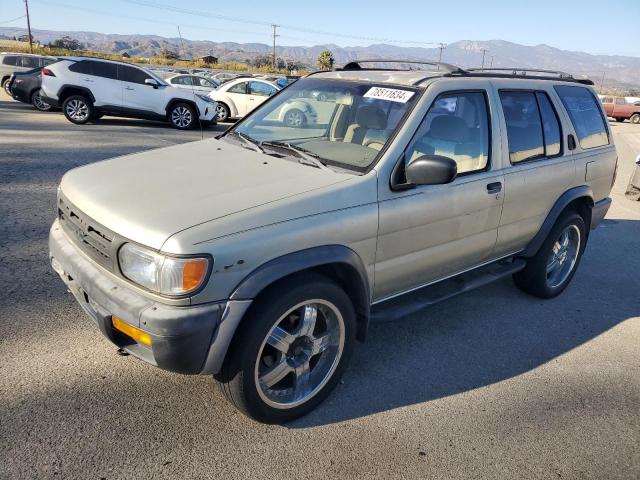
column 181, row 117
column 294, row 118
column 564, row 255
column 77, row 110
column 300, row 354
column 6, row 87
column 40, row 104
column 221, row 113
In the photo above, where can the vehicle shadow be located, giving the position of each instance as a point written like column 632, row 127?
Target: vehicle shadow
column 484, row 337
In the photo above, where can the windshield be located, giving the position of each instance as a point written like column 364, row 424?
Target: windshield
column 342, row 123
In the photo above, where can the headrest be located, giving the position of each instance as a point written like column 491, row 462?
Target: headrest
column 449, row 128
column 371, row 117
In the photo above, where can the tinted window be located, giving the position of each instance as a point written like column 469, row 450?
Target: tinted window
column 30, row 62
column 585, row 115
column 12, row 60
column 456, row 126
column 550, row 125
column 524, row 129
column 133, row 75
column 203, row 82
column 261, row 89
column 239, row 88
column 48, row 61
column 96, row 69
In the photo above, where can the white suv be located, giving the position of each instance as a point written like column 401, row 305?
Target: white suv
column 88, row 88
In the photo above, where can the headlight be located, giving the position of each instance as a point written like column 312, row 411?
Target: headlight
column 204, row 98
column 161, row 273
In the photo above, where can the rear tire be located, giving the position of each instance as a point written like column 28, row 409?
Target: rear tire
column 38, row 103
column 635, row 118
column 182, row 116
column 549, row 272
column 292, row 350
column 619, row 119
column 78, row 109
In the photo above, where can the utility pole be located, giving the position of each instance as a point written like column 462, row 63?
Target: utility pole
column 29, row 27
column 491, row 64
column 484, row 50
column 441, row 46
column 273, row 59
column 602, row 82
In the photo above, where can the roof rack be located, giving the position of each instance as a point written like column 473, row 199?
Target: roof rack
column 513, row 72
column 444, row 67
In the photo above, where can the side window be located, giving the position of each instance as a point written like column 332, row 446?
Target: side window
column 550, row 125
column 83, row 66
column 238, row 88
column 607, row 99
column 261, row 89
column 524, row 128
column 30, row 62
column 182, row 81
column 133, row 75
column 585, row 115
column 12, row 60
column 456, row 126
column 105, row 70
column 203, row 82
column 621, row 101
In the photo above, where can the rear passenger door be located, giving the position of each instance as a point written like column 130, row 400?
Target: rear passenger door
column 101, row 78
column 538, row 166
column 432, row 231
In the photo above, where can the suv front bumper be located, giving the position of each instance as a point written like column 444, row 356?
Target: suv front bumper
column 190, row 339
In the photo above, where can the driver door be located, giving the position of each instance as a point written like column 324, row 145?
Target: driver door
column 433, row 231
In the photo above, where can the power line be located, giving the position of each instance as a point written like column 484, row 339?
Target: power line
column 12, row 20
column 201, row 13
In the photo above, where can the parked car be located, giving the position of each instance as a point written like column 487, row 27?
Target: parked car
column 88, row 88
column 196, row 83
column 20, row 62
column 618, row 108
column 25, row 87
column 261, row 256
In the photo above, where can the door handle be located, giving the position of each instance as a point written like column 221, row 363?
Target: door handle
column 495, row 187
column 88, row 80
column 129, row 88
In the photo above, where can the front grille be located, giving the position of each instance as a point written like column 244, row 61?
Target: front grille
column 96, row 241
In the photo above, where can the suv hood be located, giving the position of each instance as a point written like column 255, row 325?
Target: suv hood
column 147, row 197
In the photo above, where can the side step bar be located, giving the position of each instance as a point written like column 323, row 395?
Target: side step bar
column 412, row 302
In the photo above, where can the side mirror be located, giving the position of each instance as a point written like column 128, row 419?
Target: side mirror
column 151, row 82
column 431, row 170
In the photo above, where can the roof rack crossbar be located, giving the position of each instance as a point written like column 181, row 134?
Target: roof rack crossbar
column 444, row 67
column 522, row 71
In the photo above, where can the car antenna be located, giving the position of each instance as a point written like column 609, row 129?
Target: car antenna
column 193, row 92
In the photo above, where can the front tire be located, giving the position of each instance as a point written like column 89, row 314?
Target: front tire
column 5, row 87
column 38, row 103
column 182, row 116
column 549, row 272
column 78, row 109
column 295, row 344
column 619, row 119
column 222, row 112
column 295, row 118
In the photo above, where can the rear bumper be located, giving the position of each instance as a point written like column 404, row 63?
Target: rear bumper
column 599, row 211
column 190, row 340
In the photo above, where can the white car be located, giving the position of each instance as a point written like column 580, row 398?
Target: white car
column 88, row 88
column 238, row 97
column 195, row 83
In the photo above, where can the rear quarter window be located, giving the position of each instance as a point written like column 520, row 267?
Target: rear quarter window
column 12, row 60
column 585, row 114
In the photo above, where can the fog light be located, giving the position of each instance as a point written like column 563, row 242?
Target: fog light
column 130, row 331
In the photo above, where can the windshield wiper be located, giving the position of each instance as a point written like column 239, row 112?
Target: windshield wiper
column 304, row 156
column 251, row 142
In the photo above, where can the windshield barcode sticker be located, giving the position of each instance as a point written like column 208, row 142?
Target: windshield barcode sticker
column 391, row 94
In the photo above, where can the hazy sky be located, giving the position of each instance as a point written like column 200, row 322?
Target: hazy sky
column 592, row 26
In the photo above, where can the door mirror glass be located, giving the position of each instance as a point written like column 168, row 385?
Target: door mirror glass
column 431, row 170
column 151, row 81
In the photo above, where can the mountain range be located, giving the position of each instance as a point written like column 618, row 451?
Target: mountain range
column 619, row 71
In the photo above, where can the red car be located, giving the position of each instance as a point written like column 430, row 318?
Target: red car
column 620, row 109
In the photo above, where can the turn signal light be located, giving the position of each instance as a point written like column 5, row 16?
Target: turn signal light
column 130, row 331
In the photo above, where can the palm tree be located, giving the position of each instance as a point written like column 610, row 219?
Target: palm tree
column 325, row 60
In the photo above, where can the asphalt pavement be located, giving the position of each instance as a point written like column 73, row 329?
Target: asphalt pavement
column 491, row 384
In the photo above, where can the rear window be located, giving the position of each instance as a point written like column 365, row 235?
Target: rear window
column 585, row 115
column 30, row 62
column 12, row 60
column 96, row 69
